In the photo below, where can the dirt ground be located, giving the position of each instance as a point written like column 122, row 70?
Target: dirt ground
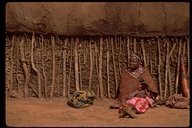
column 34, row 112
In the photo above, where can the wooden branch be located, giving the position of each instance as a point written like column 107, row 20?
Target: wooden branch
column 76, row 49
column 170, row 82
column 59, row 67
column 178, row 69
column 69, row 78
column 188, row 57
column 120, row 57
column 64, row 68
column 172, row 50
column 44, row 74
column 11, row 67
column 27, row 74
column 108, row 83
column 159, row 69
column 135, row 45
column 166, row 70
column 151, row 65
column 169, row 71
column 143, row 51
column 100, row 68
column 85, row 53
column 91, row 65
column 80, row 72
column 184, row 48
column 17, row 65
column 128, row 50
column 34, row 67
column 53, row 68
column 148, row 58
column 114, row 65
column 97, row 69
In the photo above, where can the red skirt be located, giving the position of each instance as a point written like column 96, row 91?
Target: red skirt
column 140, row 104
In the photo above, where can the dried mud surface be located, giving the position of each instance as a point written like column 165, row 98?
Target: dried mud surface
column 34, row 112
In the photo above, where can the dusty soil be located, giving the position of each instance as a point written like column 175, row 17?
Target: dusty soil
column 55, row 113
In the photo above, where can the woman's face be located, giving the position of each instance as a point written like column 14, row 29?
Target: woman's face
column 134, row 62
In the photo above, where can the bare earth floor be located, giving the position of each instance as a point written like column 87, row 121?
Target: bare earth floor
column 55, row 113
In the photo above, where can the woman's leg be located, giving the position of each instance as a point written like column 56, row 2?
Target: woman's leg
column 129, row 109
column 132, row 108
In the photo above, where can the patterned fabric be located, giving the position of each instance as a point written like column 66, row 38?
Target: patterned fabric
column 141, row 105
column 81, row 99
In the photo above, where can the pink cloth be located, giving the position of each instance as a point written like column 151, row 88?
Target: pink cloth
column 141, row 104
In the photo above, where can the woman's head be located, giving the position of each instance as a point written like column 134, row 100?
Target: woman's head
column 135, row 61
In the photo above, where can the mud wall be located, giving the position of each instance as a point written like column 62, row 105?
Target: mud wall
column 99, row 18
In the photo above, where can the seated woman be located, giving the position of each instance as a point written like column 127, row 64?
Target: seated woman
column 137, row 90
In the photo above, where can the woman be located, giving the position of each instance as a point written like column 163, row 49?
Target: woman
column 137, row 90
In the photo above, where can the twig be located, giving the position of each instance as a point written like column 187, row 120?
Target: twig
column 143, row 51
column 108, row 83
column 159, row 69
column 166, row 70
column 135, row 45
column 53, row 68
column 188, row 56
column 91, row 65
column 64, row 68
column 100, row 68
column 128, row 50
column 114, row 65
column 76, row 49
column 44, row 75
column 178, row 68
column 69, row 80
column 120, row 57
column 11, row 68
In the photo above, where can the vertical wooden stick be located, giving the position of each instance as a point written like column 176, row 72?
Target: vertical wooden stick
column 184, row 48
column 44, row 75
column 151, row 65
column 11, row 67
column 128, row 51
column 17, row 66
column 97, row 70
column 91, row 65
column 159, row 69
column 166, row 70
column 108, row 83
column 85, row 52
column 170, row 82
column 80, row 72
column 188, row 56
column 143, row 51
column 100, row 68
column 120, row 57
column 53, row 68
column 114, row 65
column 169, row 71
column 69, row 80
column 34, row 68
column 76, row 64
column 178, row 68
column 135, row 45
column 64, row 67
column 58, row 78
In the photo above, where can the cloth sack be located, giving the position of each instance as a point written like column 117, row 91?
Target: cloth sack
column 81, row 99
